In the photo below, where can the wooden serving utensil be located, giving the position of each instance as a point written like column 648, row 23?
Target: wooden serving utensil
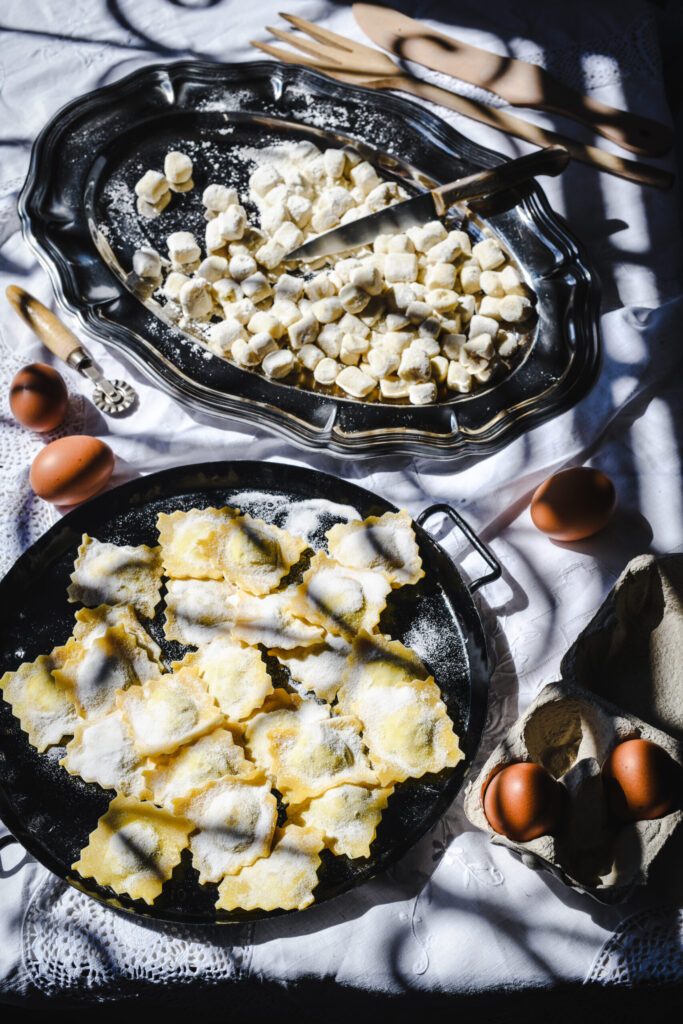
column 348, row 61
column 518, row 82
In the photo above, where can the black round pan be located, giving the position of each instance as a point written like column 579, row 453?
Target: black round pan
column 52, row 813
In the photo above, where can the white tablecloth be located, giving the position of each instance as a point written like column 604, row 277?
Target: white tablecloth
column 456, row 914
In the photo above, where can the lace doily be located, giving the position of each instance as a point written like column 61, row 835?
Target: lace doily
column 646, row 948
column 23, row 516
column 77, row 948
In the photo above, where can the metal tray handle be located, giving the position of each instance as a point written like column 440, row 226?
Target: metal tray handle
column 477, row 544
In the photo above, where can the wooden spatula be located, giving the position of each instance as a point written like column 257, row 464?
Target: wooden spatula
column 516, row 81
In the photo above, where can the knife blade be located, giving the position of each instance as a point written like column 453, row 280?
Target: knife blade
column 433, row 203
column 518, row 82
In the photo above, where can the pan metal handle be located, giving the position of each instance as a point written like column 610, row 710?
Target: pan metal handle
column 7, row 841
column 477, row 544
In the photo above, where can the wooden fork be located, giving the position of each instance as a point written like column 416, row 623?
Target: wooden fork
column 348, row 61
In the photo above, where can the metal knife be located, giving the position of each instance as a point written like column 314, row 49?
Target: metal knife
column 433, row 203
column 518, row 82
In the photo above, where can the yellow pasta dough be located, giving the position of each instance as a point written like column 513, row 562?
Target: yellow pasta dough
column 386, row 543
column 282, row 710
column 269, row 621
column 342, row 600
column 377, row 660
column 103, row 751
column 347, row 816
column 168, row 711
column 170, row 779
column 116, row 574
column 198, row 610
column 45, row 707
column 185, row 538
column 318, row 669
column 236, row 819
column 254, row 555
column 95, row 670
column 235, row 675
column 407, row 731
column 284, row 880
column 134, row 848
column 312, row 757
column 94, row 622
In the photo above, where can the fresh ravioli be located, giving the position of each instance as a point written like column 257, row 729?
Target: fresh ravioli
column 254, row 555
column 385, row 543
column 198, row 610
column 116, row 574
column 45, row 706
column 269, row 621
column 185, row 541
column 134, row 848
column 347, row 816
column 97, row 669
column 309, row 758
column 285, row 880
column 235, row 675
column 169, row 711
column 103, row 751
column 236, row 819
column 342, row 600
column 171, row 779
column 318, row 669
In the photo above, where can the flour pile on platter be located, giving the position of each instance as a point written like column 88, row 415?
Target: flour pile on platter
column 415, row 317
column 206, row 752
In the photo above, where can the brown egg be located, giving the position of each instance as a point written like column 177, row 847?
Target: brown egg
column 574, row 503
column 38, row 397
column 523, row 801
column 71, row 469
column 641, row 781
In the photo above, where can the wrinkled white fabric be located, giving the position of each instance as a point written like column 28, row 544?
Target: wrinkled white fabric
column 456, row 914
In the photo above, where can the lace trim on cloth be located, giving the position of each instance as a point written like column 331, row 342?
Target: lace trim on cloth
column 23, row 516
column 646, row 948
column 77, row 948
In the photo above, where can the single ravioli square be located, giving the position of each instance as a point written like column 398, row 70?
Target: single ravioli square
column 116, row 574
column 198, row 610
column 94, row 622
column 134, row 848
column 97, row 668
column 267, row 620
column 407, row 730
column 284, row 880
column 171, row 778
column 45, row 707
column 281, row 710
column 385, row 543
column 318, row 669
column 235, row 675
column 318, row 755
column 254, row 555
column 377, row 660
column 168, row 711
column 342, row 600
column 347, row 816
column 184, row 538
column 103, row 751
column 236, row 818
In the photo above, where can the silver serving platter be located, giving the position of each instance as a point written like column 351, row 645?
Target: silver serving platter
column 77, row 212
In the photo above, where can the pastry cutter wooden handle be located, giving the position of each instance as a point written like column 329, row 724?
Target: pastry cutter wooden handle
column 110, row 396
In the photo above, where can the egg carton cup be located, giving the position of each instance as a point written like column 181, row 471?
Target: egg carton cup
column 570, row 732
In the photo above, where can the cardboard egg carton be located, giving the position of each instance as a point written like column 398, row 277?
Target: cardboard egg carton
column 569, row 729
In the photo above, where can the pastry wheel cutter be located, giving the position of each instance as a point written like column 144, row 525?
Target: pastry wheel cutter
column 114, row 397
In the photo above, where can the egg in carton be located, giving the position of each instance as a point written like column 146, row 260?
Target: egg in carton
column 570, row 730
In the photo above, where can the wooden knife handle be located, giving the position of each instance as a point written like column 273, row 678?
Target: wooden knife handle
column 51, row 331
column 552, row 160
column 632, row 170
